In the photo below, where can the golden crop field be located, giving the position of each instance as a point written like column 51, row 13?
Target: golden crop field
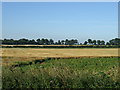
column 32, row 52
column 27, row 54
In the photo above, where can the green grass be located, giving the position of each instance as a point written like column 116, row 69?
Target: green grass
column 64, row 73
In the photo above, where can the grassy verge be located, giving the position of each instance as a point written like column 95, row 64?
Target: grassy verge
column 63, row 73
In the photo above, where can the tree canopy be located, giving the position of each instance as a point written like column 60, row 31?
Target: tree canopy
column 45, row 41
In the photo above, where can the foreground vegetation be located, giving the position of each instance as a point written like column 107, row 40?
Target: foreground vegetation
column 63, row 73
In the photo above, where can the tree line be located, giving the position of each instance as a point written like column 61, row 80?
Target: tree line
column 44, row 41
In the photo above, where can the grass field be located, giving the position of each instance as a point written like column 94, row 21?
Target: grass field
column 94, row 68
column 63, row 73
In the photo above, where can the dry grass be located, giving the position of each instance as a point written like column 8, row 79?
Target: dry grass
column 11, row 55
column 31, row 52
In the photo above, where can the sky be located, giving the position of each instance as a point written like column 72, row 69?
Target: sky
column 0, row 20
column 60, row 20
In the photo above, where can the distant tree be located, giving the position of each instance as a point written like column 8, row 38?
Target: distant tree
column 107, row 43
column 102, row 42
column 23, row 41
column 32, row 41
column 85, row 43
column 59, row 42
column 62, row 42
column 39, row 41
column 71, row 42
column 51, row 42
column 90, row 41
column 8, row 41
column 98, row 42
column 66, row 42
column 111, row 42
column 76, row 42
column 0, row 41
column 94, row 42
column 115, row 41
column 46, row 42
column 42, row 41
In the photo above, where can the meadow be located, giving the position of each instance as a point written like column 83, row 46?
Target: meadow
column 60, row 68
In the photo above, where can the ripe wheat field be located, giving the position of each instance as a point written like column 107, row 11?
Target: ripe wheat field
column 31, row 52
column 27, row 54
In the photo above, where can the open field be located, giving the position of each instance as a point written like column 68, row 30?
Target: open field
column 10, row 55
column 41, row 68
column 32, row 52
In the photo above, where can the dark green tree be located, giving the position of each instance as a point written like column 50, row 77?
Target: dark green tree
column 62, row 42
column 107, row 43
column 23, row 41
column 59, row 42
column 102, row 42
column 98, row 42
column 39, row 41
column 94, row 42
column 32, row 42
column 90, row 41
column 46, row 42
column 85, row 43
column 51, row 41
column 66, row 42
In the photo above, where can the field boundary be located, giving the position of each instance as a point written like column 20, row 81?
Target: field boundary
column 60, row 46
column 76, row 57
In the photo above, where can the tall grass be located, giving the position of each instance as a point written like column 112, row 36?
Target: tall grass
column 64, row 73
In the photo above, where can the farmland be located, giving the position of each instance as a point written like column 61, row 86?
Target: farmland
column 31, row 52
column 61, row 45
column 60, row 68
column 27, row 54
